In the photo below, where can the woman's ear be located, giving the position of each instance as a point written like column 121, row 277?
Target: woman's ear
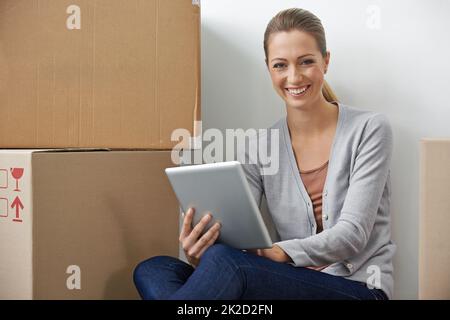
column 327, row 61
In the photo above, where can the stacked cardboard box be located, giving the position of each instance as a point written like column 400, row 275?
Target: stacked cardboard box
column 94, row 89
column 434, row 239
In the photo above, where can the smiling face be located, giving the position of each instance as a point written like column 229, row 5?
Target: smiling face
column 296, row 67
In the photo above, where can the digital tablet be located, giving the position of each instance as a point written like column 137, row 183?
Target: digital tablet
column 222, row 189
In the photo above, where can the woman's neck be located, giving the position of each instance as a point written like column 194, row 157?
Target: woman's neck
column 312, row 120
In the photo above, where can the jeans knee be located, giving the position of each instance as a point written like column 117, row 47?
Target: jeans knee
column 144, row 268
column 219, row 252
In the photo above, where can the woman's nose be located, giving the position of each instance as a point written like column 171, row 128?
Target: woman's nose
column 294, row 75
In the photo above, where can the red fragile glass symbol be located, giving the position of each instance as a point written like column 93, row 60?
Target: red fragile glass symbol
column 17, row 173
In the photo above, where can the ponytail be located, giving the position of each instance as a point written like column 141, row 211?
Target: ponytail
column 328, row 93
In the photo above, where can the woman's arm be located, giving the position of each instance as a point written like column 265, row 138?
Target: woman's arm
column 252, row 171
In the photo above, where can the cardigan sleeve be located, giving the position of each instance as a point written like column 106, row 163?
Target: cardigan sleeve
column 350, row 234
column 251, row 168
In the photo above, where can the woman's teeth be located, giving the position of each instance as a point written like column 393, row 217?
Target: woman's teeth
column 298, row 91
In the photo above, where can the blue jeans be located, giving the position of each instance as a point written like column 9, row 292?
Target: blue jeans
column 231, row 274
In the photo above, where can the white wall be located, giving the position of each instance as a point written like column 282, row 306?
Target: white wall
column 399, row 68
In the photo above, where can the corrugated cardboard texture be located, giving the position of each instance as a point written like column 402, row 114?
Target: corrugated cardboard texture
column 434, row 244
column 126, row 79
column 101, row 211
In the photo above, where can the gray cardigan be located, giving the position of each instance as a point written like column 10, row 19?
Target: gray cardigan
column 356, row 240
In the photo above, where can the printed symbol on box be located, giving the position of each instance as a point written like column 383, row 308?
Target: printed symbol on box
column 17, row 173
column 3, row 179
column 4, row 207
column 19, row 206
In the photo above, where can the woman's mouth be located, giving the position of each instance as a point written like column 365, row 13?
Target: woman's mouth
column 298, row 91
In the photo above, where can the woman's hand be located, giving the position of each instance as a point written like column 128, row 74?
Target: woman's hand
column 275, row 253
column 192, row 243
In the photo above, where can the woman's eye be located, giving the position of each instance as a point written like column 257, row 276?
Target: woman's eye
column 278, row 65
column 309, row 61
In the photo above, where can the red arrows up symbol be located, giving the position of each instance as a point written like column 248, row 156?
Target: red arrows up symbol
column 18, row 204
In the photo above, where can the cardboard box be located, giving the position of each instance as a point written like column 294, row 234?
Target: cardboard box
column 434, row 222
column 73, row 225
column 104, row 73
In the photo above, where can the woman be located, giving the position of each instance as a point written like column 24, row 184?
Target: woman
column 329, row 199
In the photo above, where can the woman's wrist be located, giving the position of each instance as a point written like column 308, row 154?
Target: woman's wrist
column 275, row 253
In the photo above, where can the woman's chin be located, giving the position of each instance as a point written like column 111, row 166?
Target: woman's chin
column 296, row 104
column 300, row 103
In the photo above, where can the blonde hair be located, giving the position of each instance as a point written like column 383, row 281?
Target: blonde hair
column 305, row 21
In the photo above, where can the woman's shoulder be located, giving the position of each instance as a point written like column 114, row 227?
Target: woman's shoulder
column 360, row 117
column 366, row 126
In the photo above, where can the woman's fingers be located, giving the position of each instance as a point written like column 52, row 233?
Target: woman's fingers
column 199, row 227
column 209, row 243
column 191, row 239
column 187, row 224
column 205, row 241
column 194, row 244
